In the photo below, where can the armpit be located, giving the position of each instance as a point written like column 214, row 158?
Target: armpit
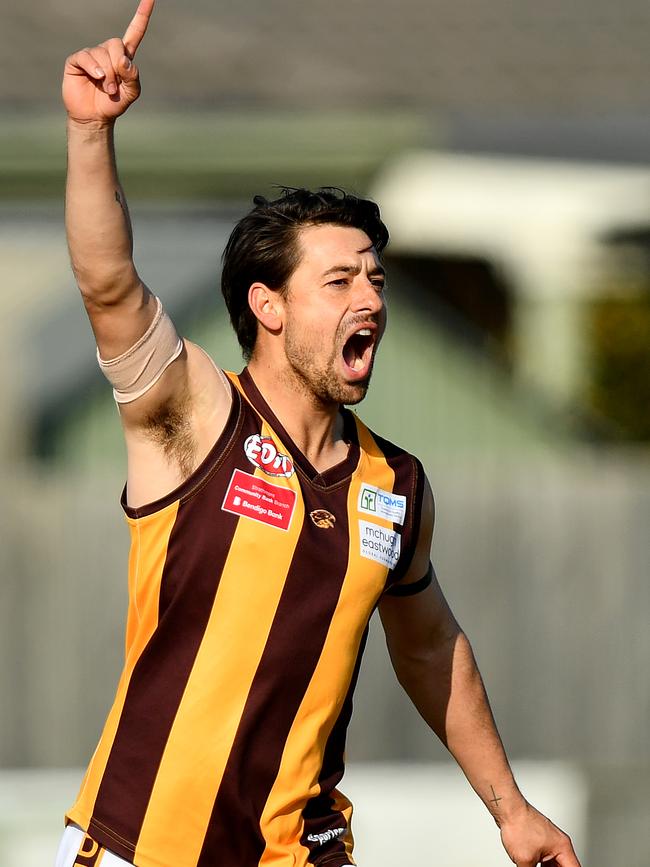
column 169, row 427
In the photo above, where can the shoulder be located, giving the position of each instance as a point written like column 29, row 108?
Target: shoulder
column 373, row 443
column 408, row 468
column 396, row 471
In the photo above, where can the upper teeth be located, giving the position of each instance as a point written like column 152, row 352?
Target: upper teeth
column 365, row 332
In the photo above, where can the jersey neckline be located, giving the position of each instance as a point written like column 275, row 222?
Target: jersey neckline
column 325, row 479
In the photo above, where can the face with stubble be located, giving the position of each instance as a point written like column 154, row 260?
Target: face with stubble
column 335, row 314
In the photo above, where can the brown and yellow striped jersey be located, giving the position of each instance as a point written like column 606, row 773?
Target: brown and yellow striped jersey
column 251, row 587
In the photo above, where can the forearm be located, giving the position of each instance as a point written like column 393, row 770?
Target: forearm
column 446, row 687
column 97, row 220
column 473, row 739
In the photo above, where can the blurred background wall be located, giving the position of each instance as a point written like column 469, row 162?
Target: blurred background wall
column 509, row 148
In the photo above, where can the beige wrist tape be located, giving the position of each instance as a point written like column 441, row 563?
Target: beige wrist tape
column 138, row 369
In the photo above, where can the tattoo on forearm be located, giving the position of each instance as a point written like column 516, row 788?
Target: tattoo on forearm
column 121, row 203
column 495, row 800
column 125, row 211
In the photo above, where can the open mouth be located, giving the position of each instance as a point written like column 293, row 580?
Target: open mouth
column 357, row 352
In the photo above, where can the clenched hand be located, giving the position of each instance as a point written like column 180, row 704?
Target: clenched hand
column 530, row 838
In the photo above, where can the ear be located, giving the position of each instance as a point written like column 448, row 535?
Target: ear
column 266, row 305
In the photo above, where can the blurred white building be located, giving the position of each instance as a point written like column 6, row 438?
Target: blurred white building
column 558, row 235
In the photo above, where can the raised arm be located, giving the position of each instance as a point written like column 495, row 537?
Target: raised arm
column 99, row 85
column 172, row 421
column 434, row 663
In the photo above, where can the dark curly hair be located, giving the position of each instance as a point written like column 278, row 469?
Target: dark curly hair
column 264, row 245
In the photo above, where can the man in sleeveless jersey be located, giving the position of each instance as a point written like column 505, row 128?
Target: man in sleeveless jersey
column 267, row 524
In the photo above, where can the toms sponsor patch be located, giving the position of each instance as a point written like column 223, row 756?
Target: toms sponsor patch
column 383, row 504
column 379, row 544
column 263, row 453
column 260, row 500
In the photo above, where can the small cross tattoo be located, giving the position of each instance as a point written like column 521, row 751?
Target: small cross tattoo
column 120, row 201
column 495, row 800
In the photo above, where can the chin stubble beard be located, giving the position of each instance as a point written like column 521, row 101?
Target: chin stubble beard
column 323, row 385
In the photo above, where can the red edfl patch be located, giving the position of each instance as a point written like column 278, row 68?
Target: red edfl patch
column 262, row 452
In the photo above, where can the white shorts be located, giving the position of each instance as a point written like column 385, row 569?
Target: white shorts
column 91, row 855
column 70, row 846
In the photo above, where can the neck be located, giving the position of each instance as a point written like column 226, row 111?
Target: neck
column 315, row 427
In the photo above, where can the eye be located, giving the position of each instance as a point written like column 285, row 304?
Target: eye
column 340, row 281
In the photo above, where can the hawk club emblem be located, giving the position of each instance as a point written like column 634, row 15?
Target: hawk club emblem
column 323, row 519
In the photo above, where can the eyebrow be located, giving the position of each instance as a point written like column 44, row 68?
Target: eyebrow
column 355, row 269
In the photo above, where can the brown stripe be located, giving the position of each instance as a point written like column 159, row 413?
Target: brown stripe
column 319, row 814
column 294, row 645
column 415, row 479
column 195, row 558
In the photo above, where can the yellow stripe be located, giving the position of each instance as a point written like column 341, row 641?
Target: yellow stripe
column 149, row 541
column 378, row 472
column 225, row 666
column 371, row 449
column 281, row 822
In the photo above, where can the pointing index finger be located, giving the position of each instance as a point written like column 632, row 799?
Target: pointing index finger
column 138, row 26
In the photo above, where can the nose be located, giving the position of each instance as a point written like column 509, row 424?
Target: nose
column 369, row 296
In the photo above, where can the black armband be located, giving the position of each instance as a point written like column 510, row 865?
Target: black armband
column 413, row 587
